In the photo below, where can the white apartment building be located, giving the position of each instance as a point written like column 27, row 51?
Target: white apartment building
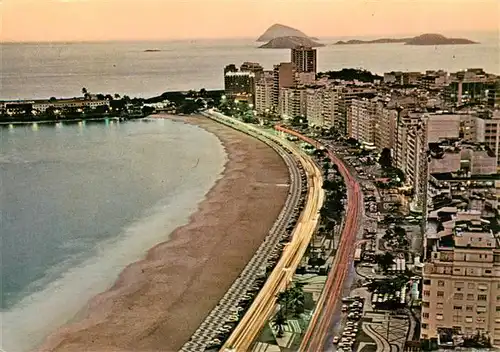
column 461, row 281
column 361, row 119
column 385, row 127
column 314, row 110
column 42, row 105
column 264, row 93
column 292, row 102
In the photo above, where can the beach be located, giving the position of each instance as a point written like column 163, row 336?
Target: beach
column 157, row 303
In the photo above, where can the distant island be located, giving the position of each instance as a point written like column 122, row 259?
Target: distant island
column 152, row 50
column 280, row 30
column 290, row 42
column 424, row 39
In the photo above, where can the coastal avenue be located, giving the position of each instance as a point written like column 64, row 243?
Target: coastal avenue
column 262, row 308
column 321, row 321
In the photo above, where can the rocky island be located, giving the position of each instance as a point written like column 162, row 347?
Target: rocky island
column 424, row 39
column 290, row 42
column 280, row 30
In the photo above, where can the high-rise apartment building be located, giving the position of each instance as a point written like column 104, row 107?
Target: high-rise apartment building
column 264, row 93
column 461, row 279
column 292, row 102
column 361, row 119
column 346, row 94
column 284, row 77
column 254, row 67
column 240, row 84
column 304, row 59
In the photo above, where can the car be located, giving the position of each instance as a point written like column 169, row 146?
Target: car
column 335, row 340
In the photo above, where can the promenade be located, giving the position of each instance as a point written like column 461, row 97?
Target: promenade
column 321, row 322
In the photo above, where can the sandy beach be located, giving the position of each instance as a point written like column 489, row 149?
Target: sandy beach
column 157, row 303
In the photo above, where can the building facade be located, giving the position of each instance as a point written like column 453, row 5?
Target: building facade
column 304, row 59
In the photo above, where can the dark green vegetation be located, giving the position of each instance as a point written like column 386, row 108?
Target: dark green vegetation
column 351, row 74
column 291, row 304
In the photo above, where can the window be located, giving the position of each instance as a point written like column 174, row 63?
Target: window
column 487, row 271
column 440, row 294
column 425, row 326
column 469, row 308
column 481, row 297
column 470, row 297
column 458, row 296
column 459, row 284
column 457, row 307
column 440, row 283
column 498, row 298
column 457, row 319
column 425, row 315
column 468, row 319
column 427, row 293
column 439, row 305
column 427, row 282
column 471, row 285
column 439, row 316
column 498, row 308
column 425, row 304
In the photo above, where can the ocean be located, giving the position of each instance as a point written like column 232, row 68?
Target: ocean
column 39, row 70
column 80, row 202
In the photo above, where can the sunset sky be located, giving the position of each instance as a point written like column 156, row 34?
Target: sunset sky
column 87, row 20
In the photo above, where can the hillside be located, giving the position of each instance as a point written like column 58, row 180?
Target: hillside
column 280, row 30
column 290, row 42
column 424, row 39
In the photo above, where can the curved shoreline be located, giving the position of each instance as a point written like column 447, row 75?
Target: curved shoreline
column 157, row 303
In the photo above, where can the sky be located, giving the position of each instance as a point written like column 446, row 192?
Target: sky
column 96, row 20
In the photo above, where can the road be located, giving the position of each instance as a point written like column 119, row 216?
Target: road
column 315, row 338
column 264, row 304
column 218, row 316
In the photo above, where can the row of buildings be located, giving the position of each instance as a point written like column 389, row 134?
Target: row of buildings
column 37, row 107
column 443, row 130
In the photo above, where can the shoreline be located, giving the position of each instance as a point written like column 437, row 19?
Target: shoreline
column 157, row 303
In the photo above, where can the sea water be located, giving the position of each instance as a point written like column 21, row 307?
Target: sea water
column 43, row 70
column 79, row 203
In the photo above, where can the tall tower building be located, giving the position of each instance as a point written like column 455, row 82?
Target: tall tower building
column 284, row 77
column 304, row 59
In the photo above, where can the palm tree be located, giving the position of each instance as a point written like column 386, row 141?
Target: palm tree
column 279, row 323
column 84, row 91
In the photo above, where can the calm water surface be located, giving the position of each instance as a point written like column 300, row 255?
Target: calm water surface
column 80, row 202
column 45, row 70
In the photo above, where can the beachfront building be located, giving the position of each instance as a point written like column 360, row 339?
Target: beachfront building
column 264, row 93
column 237, row 83
column 284, row 77
column 292, row 102
column 41, row 106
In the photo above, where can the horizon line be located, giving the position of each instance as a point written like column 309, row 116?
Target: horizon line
column 254, row 38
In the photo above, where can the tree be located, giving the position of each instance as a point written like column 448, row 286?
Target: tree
column 100, row 96
column 385, row 159
column 117, row 96
column 84, row 91
column 384, row 261
column 279, row 323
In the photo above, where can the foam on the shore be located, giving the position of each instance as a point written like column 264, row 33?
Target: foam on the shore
column 32, row 319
